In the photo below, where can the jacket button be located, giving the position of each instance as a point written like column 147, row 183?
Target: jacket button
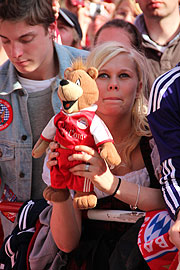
column 1, row 153
column 21, row 93
column 21, row 175
column 24, row 137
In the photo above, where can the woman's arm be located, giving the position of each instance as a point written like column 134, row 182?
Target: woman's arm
column 149, row 198
column 104, row 180
column 65, row 219
column 65, row 225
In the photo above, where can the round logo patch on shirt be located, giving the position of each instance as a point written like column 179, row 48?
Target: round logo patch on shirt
column 6, row 114
column 82, row 123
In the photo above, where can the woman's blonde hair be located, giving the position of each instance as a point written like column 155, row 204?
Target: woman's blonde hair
column 98, row 57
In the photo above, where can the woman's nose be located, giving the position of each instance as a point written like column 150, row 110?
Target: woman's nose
column 113, row 87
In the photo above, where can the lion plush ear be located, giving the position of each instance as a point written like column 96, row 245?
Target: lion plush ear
column 93, row 72
column 67, row 71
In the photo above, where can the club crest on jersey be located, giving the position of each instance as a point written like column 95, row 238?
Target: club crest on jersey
column 6, row 114
column 82, row 123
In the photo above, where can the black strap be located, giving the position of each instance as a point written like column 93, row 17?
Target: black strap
column 146, row 153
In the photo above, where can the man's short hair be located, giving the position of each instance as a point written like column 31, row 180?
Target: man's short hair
column 33, row 12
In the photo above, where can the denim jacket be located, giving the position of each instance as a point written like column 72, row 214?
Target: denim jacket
column 15, row 130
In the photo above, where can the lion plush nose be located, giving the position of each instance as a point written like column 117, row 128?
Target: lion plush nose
column 63, row 82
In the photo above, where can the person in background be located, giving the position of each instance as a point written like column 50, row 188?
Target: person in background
column 69, row 28
column 121, row 31
column 28, row 91
column 100, row 14
column 91, row 17
column 121, row 105
column 159, row 25
column 126, row 33
column 127, row 10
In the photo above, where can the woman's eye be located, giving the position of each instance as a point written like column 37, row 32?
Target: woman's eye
column 103, row 75
column 124, row 75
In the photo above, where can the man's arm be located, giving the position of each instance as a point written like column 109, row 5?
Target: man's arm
column 164, row 120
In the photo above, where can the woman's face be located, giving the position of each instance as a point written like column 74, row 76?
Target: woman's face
column 117, row 34
column 118, row 86
column 125, row 12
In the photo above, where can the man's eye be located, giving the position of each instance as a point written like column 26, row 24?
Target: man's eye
column 5, row 41
column 26, row 39
column 103, row 75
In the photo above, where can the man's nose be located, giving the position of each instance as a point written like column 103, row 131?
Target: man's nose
column 16, row 50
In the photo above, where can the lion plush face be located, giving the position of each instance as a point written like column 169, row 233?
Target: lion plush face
column 78, row 89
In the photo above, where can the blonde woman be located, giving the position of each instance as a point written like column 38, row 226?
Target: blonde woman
column 131, row 185
column 126, row 10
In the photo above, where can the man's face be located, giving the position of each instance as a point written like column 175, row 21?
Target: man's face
column 158, row 8
column 28, row 47
column 66, row 33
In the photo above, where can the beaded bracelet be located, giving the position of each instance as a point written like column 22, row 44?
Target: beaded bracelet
column 137, row 199
column 118, row 185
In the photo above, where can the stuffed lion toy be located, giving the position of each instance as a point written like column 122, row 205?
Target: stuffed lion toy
column 76, row 124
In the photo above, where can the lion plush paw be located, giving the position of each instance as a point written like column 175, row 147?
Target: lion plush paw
column 56, row 195
column 85, row 200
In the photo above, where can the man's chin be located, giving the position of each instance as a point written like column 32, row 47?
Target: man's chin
column 24, row 72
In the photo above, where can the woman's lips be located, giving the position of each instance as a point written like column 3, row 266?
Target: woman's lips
column 111, row 98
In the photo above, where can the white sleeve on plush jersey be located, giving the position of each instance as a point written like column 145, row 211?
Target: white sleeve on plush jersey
column 49, row 131
column 100, row 131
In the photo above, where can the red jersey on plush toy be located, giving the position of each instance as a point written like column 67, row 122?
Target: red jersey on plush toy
column 80, row 128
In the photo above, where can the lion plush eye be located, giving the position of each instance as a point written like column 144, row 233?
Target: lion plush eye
column 78, row 82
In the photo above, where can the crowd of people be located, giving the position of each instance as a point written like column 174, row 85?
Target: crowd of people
column 134, row 47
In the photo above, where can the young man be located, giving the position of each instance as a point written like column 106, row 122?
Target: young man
column 159, row 26
column 164, row 120
column 28, row 93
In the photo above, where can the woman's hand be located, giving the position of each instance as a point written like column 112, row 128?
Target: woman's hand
column 52, row 154
column 98, row 171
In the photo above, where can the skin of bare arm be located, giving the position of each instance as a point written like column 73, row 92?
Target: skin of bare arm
column 66, row 225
